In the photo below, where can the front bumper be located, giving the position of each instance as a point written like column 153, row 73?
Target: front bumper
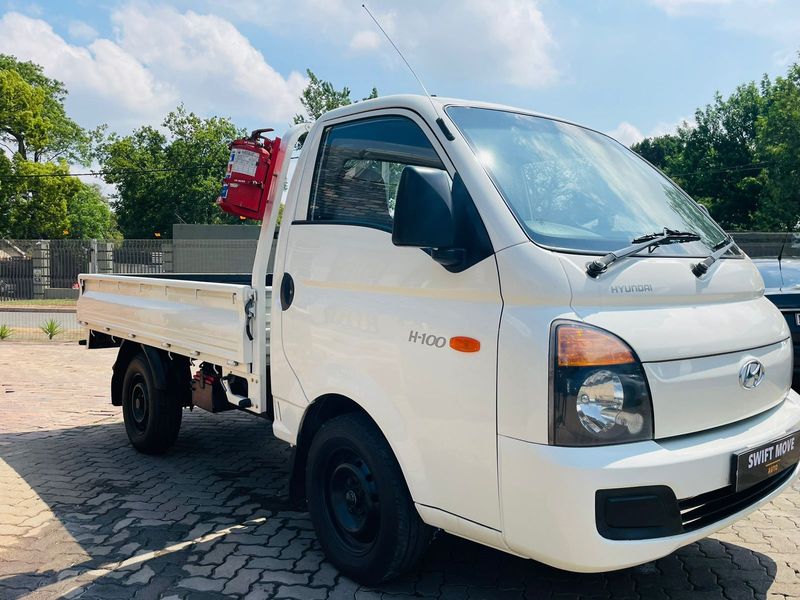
column 548, row 493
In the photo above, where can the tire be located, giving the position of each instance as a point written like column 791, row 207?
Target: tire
column 359, row 503
column 152, row 416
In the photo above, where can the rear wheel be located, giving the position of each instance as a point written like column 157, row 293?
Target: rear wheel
column 359, row 503
column 152, row 416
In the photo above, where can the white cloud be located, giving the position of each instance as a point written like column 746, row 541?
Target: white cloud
column 81, row 30
column 785, row 57
column 364, row 40
column 213, row 65
column 668, row 127
column 777, row 20
column 159, row 57
column 629, row 134
column 503, row 41
column 105, row 82
column 680, row 7
column 519, row 40
column 626, row 133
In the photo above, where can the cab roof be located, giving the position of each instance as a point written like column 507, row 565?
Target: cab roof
column 422, row 105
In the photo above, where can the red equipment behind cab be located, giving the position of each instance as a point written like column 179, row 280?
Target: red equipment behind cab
column 249, row 176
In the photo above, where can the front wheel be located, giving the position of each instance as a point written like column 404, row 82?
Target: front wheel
column 152, row 417
column 359, row 503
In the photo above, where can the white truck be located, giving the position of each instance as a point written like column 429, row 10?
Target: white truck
column 486, row 321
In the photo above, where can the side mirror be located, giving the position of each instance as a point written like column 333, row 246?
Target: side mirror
column 426, row 215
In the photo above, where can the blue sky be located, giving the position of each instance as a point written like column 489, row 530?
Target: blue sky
column 629, row 67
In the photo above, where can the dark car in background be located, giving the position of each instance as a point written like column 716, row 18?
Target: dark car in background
column 777, row 257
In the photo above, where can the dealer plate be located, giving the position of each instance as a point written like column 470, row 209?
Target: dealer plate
column 757, row 464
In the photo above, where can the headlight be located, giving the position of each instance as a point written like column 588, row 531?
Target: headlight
column 599, row 393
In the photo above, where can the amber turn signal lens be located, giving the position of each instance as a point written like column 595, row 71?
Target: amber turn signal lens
column 586, row 347
column 464, row 344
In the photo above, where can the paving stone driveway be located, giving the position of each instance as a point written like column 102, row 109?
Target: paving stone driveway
column 83, row 515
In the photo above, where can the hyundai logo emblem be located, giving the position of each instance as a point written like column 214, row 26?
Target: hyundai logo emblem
column 751, row 374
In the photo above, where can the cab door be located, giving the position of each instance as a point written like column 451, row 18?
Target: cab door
column 373, row 322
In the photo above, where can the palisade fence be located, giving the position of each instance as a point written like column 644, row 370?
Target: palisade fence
column 39, row 278
column 759, row 244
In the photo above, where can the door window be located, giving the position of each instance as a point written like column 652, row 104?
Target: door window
column 359, row 167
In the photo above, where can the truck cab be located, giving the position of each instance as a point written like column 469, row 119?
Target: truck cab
column 483, row 320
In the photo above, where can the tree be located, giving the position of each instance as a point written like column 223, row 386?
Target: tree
column 38, row 198
column 719, row 159
column 742, row 156
column 33, row 120
column 21, row 119
column 37, row 206
column 779, row 151
column 89, row 215
column 6, row 171
column 715, row 158
column 665, row 152
column 167, row 177
column 320, row 96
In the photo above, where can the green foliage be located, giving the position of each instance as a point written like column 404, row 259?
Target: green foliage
column 6, row 170
column 741, row 156
column 320, row 96
column 33, row 121
column 51, row 328
column 37, row 203
column 21, row 107
column 90, row 216
column 664, row 151
column 779, row 150
column 36, row 198
column 5, row 332
column 165, row 177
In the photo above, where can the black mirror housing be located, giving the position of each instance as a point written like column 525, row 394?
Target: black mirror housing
column 443, row 222
column 424, row 215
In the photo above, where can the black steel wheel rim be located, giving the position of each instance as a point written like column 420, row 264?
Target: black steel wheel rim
column 139, row 403
column 352, row 501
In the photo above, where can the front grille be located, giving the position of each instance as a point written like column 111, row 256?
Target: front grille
column 706, row 509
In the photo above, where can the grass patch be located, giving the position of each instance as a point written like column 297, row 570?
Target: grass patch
column 51, row 328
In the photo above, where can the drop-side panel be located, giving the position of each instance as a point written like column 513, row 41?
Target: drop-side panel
column 208, row 321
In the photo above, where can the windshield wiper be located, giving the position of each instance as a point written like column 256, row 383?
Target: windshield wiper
column 649, row 241
column 702, row 267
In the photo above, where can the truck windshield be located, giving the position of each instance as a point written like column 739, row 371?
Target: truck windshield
column 577, row 190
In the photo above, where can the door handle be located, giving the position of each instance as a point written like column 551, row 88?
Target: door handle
column 287, row 291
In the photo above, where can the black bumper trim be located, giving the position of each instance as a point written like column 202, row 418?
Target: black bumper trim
column 650, row 512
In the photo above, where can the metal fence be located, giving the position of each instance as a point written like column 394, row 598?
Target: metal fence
column 759, row 244
column 16, row 269
column 39, row 278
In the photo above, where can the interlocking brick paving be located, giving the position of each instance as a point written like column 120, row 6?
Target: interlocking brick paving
column 84, row 515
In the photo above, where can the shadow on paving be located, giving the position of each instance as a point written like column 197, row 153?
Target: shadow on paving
column 215, row 511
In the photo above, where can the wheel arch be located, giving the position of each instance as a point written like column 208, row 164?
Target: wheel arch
column 320, row 411
column 164, row 367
